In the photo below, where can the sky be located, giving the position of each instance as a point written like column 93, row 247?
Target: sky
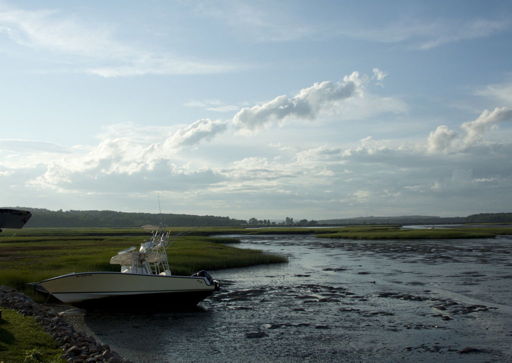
column 265, row 109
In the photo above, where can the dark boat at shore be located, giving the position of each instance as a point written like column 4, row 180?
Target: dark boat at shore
column 13, row 218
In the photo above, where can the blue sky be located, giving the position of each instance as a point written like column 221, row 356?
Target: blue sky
column 257, row 108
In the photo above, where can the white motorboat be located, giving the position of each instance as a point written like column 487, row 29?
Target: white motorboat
column 145, row 278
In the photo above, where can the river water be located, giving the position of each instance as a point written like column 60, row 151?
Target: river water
column 338, row 300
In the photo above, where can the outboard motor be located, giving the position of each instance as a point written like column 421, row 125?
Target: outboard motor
column 208, row 278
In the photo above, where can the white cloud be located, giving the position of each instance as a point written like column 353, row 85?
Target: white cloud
column 277, row 22
column 348, row 99
column 142, row 154
column 378, row 74
column 445, row 140
column 373, row 177
column 28, row 146
column 441, row 139
column 366, row 106
column 204, row 129
column 138, row 154
column 45, row 29
column 474, row 29
column 258, row 22
column 501, row 92
column 212, row 105
column 475, row 129
column 425, row 35
column 161, row 65
column 50, row 30
column 319, row 178
column 304, row 105
column 361, row 195
column 138, row 133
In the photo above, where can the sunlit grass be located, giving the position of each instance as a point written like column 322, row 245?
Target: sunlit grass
column 189, row 254
column 37, row 254
column 394, row 232
column 31, row 255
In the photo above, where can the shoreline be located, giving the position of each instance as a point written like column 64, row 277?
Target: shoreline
column 75, row 344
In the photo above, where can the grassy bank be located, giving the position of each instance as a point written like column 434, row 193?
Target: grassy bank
column 395, row 232
column 23, row 340
column 35, row 254
column 30, row 255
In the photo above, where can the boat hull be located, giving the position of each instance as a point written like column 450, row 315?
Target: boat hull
column 13, row 218
column 107, row 288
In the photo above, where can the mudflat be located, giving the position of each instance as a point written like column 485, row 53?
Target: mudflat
column 339, row 300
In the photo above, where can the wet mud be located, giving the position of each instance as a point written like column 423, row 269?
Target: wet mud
column 338, row 300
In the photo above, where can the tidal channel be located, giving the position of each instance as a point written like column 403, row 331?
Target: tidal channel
column 338, row 300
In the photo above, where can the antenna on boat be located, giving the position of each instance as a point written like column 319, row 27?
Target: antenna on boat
column 161, row 226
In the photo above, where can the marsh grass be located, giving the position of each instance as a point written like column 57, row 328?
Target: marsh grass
column 37, row 254
column 212, row 231
column 394, row 232
column 23, row 340
column 31, row 255
column 225, row 240
column 190, row 254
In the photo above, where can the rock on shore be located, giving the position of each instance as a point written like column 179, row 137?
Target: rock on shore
column 77, row 347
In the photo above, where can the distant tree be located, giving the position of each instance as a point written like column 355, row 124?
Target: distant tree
column 288, row 221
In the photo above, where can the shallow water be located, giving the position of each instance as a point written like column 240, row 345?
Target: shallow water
column 339, row 300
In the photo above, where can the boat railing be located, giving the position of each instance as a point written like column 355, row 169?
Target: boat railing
column 151, row 257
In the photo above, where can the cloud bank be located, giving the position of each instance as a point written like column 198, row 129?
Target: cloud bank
column 443, row 170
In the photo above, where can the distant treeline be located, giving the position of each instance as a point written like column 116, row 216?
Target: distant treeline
column 106, row 218
column 402, row 220
column 490, row 218
column 94, row 218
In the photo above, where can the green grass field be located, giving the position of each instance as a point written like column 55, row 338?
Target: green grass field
column 23, row 340
column 394, row 232
column 32, row 255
